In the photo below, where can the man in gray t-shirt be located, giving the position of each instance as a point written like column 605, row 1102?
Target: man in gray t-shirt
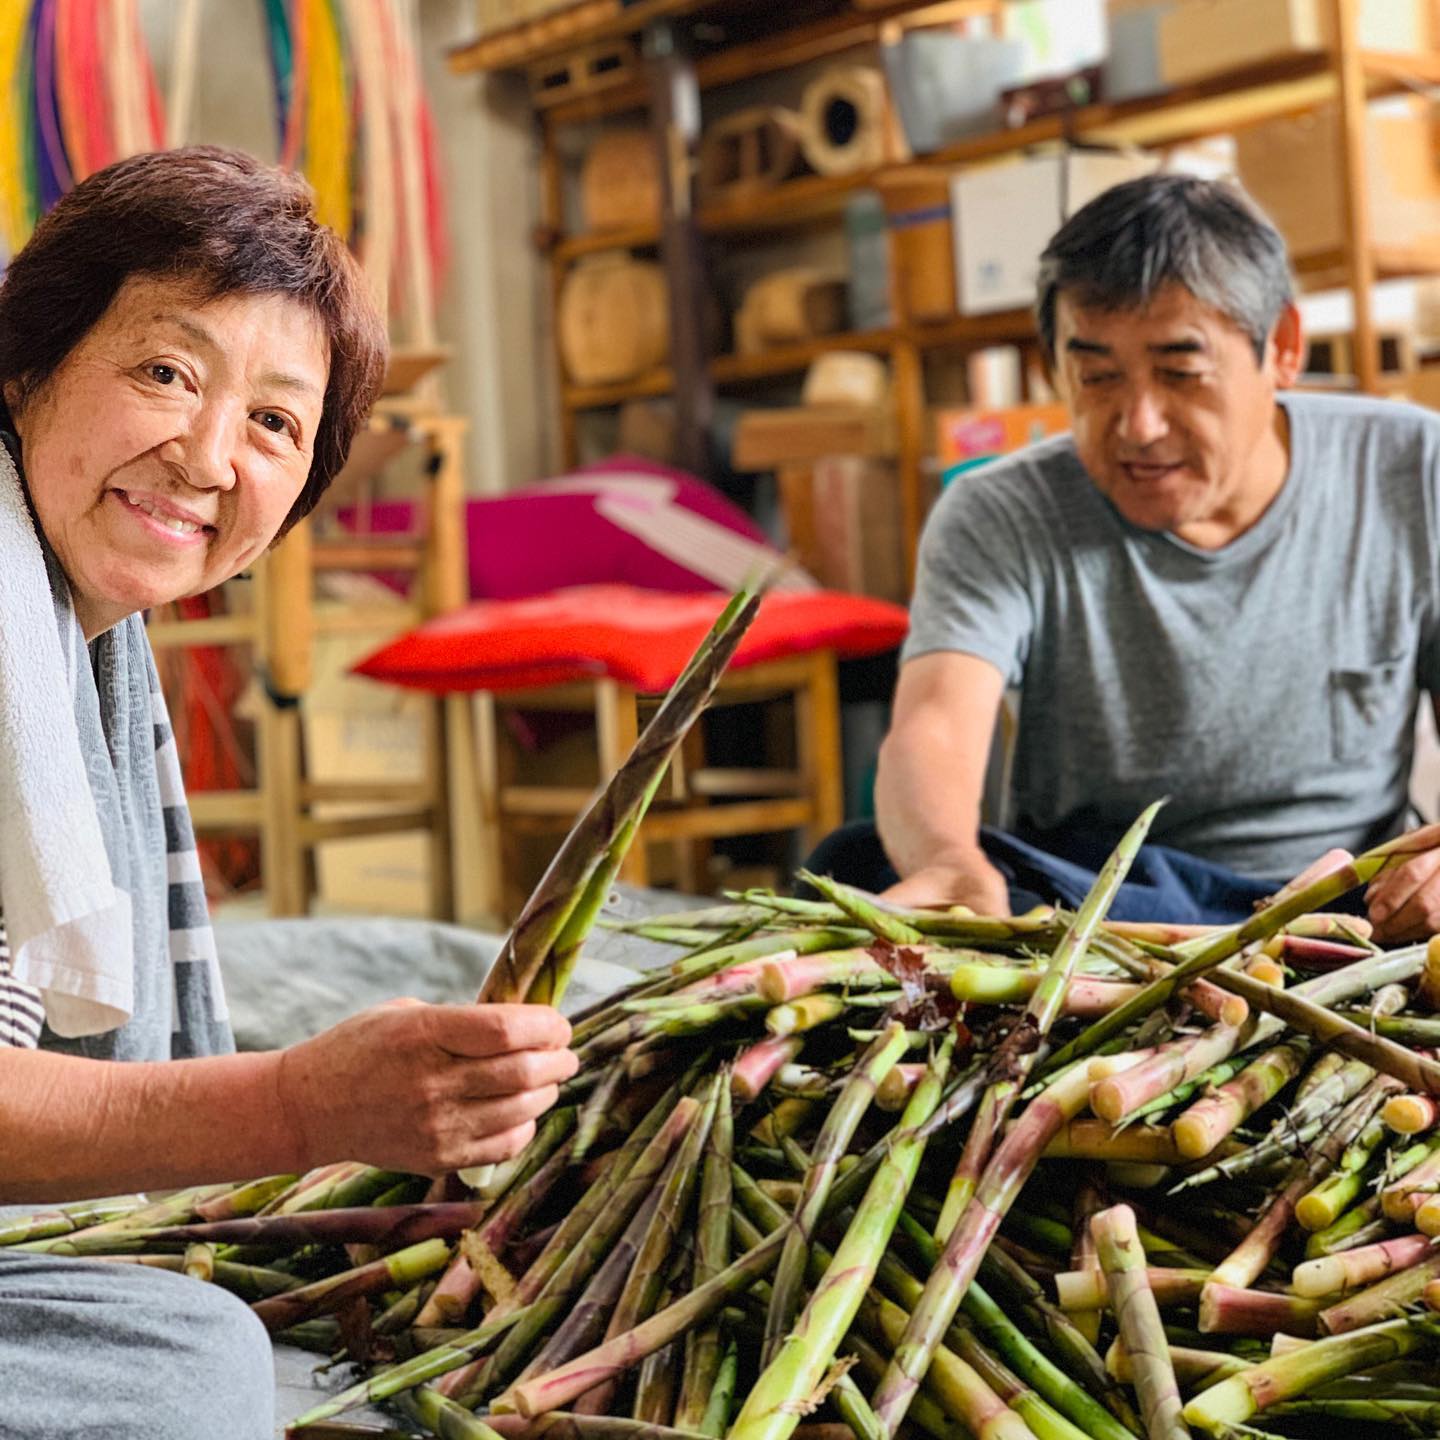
column 1210, row 590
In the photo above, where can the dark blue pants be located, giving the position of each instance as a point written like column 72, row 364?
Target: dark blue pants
column 1163, row 884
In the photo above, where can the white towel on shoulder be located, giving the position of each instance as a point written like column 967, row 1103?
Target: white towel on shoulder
column 69, row 927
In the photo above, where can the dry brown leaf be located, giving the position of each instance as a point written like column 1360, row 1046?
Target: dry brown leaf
column 499, row 1283
column 840, row 1367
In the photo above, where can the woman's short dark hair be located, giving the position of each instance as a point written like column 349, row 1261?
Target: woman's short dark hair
column 1134, row 239
column 215, row 219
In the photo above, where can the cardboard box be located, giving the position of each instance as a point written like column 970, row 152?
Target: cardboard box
column 1005, row 215
column 1199, row 38
column 843, row 514
column 1292, row 168
column 1132, row 62
column 969, row 437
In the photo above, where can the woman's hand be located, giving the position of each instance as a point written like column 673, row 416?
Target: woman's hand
column 425, row 1088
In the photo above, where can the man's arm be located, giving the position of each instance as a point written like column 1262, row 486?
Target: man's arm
column 421, row 1088
column 930, row 780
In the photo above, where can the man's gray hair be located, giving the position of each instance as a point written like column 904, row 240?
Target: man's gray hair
column 1120, row 250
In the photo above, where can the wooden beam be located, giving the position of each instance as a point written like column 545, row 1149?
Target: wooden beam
column 675, row 123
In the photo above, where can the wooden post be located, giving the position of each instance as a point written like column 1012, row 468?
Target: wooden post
column 446, row 583
column 675, row 121
column 617, row 726
column 818, row 746
column 552, row 226
column 908, row 380
column 286, row 646
column 1359, row 248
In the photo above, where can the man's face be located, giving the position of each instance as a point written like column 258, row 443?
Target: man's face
column 1174, row 417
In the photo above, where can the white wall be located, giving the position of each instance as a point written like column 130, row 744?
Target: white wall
column 492, row 309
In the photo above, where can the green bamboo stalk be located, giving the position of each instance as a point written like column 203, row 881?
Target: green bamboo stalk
column 721, row 1403
column 833, row 1141
column 865, row 910
column 50, row 1224
column 1122, row 1261
column 588, row 1253
column 1246, row 1263
column 1235, row 1401
column 1017, row 1154
column 642, row 1289
column 550, row 1392
column 416, row 1371
column 769, row 1410
column 323, row 1297
column 1208, row 1121
column 1355, row 1269
column 1352, row 1229
column 1260, row 926
column 1075, row 1354
column 249, row 1282
column 564, row 890
column 1203, row 1084
column 1088, row 1200
column 1116, row 1097
column 1386, row 1298
column 1323, row 1205
column 704, row 1348
column 444, row 1418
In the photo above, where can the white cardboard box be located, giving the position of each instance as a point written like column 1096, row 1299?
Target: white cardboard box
column 1199, row 38
column 1005, row 215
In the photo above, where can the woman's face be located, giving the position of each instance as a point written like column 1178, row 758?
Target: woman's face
column 166, row 451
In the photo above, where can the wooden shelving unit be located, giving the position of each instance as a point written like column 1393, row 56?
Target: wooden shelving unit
column 1346, row 76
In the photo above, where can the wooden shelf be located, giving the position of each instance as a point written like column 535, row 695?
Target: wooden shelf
column 1328, row 269
column 798, row 45
column 1210, row 107
column 793, row 359
column 601, row 397
column 731, row 371
column 732, row 49
column 592, row 242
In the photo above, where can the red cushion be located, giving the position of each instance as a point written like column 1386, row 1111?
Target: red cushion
column 641, row 638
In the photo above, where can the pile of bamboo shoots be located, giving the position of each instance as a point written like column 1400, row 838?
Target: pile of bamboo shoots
column 845, row 1169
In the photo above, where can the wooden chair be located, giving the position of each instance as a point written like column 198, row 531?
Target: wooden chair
column 281, row 631
column 700, row 803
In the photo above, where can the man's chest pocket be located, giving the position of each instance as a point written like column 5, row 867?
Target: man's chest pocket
column 1369, row 708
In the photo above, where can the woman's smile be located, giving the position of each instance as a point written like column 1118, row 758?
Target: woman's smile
column 172, row 524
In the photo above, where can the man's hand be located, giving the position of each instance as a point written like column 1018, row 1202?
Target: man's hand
column 968, row 879
column 425, row 1088
column 1404, row 903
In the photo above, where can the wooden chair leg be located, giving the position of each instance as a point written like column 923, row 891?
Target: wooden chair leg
column 441, row 835
column 484, row 751
column 617, row 725
column 692, row 855
column 282, row 854
column 818, row 749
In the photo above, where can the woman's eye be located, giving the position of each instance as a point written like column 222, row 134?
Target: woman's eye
column 277, row 424
column 164, row 374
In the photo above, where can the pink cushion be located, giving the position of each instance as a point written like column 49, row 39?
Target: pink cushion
column 624, row 521
column 638, row 637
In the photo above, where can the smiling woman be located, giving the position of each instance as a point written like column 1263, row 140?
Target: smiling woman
column 207, row 415
column 185, row 356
